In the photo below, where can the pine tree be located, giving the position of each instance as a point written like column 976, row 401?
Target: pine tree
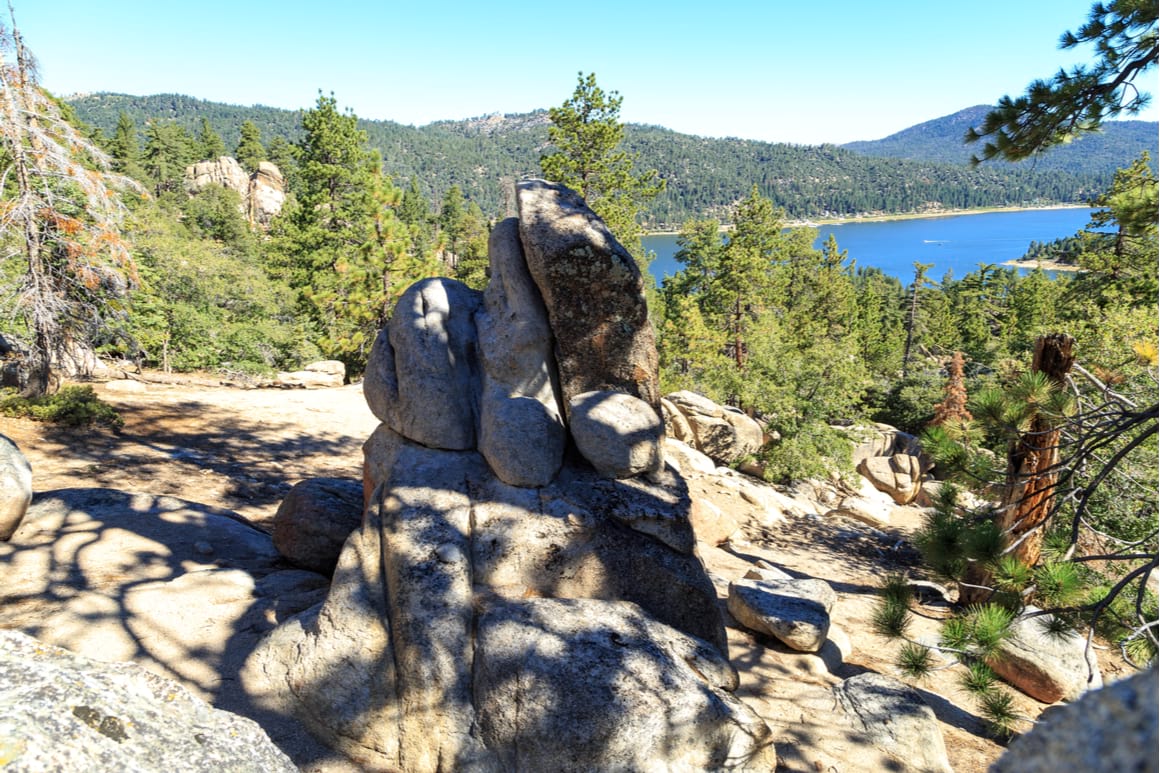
column 342, row 244
column 587, row 134
column 60, row 203
column 210, row 146
column 953, row 409
column 1124, row 36
column 168, row 151
column 249, row 151
column 920, row 281
column 125, row 149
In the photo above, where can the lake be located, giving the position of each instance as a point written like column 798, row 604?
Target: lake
column 958, row 243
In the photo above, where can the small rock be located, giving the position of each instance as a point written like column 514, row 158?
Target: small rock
column 893, row 717
column 796, row 612
column 314, row 520
column 1046, row 666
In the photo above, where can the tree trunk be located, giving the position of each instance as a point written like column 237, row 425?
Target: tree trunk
column 1031, row 474
column 1029, row 490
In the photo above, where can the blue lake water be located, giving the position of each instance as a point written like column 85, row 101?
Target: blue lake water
column 958, row 243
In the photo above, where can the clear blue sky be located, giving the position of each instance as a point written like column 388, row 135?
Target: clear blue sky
column 803, row 72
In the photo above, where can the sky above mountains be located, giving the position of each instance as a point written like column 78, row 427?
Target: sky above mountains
column 770, row 70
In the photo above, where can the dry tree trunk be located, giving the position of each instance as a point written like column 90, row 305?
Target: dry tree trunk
column 1032, row 459
column 1028, row 494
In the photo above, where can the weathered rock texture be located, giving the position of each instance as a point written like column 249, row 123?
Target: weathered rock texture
column 314, row 520
column 503, row 607
column 724, row 434
column 594, row 294
column 15, row 487
column 263, row 192
column 893, row 717
column 61, row 711
column 1046, row 666
column 796, row 612
column 1113, row 729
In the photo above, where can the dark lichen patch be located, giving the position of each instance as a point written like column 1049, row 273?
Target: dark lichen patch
column 108, row 726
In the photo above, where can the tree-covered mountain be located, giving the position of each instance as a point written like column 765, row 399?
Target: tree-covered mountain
column 1115, row 146
column 705, row 176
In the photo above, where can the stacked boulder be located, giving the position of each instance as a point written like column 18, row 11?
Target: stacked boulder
column 508, row 604
column 893, row 462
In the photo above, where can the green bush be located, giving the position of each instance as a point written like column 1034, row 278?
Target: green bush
column 72, row 406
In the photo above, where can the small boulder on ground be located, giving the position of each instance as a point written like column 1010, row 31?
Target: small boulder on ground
column 796, row 612
column 15, row 487
column 1047, row 666
column 894, row 718
column 314, row 520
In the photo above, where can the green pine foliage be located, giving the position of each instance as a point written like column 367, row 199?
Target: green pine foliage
column 586, row 139
column 71, row 406
column 703, row 177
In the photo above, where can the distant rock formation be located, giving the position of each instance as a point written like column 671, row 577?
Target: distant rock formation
column 263, row 192
column 506, row 604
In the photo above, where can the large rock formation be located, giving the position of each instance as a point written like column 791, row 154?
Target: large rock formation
column 263, row 192
column 504, row 606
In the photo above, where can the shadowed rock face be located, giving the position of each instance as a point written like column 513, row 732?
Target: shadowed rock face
column 491, row 571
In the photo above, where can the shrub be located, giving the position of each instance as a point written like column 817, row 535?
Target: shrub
column 72, row 406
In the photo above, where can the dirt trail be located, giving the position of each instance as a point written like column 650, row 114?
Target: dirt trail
column 240, row 449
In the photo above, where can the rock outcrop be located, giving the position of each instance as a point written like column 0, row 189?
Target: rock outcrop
column 61, row 711
column 493, row 574
column 1112, row 729
column 724, row 434
column 15, row 487
column 263, row 192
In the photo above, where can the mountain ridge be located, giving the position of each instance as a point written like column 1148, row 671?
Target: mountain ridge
column 705, row 175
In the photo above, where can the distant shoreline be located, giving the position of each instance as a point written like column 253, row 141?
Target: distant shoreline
column 1046, row 265
column 916, row 216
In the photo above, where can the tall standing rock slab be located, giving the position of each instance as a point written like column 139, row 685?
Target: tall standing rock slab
column 522, row 433
column 594, row 294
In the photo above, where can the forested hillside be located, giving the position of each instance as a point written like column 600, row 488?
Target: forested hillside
column 1116, row 145
column 704, row 176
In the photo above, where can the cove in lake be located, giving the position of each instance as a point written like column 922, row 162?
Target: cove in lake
column 957, row 243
